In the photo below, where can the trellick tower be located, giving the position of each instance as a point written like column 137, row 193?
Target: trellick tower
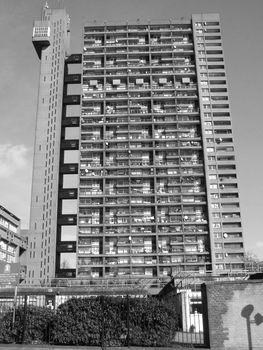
column 155, row 186
column 51, row 40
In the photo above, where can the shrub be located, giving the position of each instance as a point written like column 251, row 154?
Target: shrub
column 88, row 321
column 152, row 322
column 91, row 321
column 77, row 322
column 37, row 321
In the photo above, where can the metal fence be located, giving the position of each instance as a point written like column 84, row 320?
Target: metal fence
column 15, row 302
column 183, row 292
column 189, row 303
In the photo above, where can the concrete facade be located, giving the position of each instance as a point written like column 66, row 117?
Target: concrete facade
column 155, row 186
column 158, row 186
column 51, row 41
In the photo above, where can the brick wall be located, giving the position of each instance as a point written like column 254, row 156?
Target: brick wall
column 235, row 314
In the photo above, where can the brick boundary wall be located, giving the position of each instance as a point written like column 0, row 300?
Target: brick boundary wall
column 233, row 312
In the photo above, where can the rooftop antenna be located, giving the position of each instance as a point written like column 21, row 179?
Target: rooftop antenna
column 43, row 10
column 60, row 4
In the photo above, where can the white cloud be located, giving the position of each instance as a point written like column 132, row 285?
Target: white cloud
column 12, row 159
column 15, row 179
column 259, row 244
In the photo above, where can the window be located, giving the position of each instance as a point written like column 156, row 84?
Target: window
column 210, row 149
column 216, row 225
column 213, row 44
column 218, row 235
column 218, row 245
column 215, row 59
column 220, row 123
column 41, row 31
column 217, row 82
column 212, row 37
column 214, row 30
column 215, row 206
column 211, row 23
column 68, row 260
column 213, row 186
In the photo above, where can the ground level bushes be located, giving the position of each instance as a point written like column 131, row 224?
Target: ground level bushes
column 31, row 327
column 78, row 322
column 153, row 323
column 115, row 322
column 100, row 321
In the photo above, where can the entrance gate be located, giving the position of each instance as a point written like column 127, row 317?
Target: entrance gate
column 184, row 291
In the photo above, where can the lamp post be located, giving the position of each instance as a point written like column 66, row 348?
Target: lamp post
column 102, row 323
column 128, row 321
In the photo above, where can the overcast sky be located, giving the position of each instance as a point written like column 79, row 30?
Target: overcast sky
column 242, row 29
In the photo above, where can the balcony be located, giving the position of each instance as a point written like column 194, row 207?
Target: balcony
column 92, row 137
column 144, row 86
column 88, row 192
column 93, row 120
column 92, row 96
column 189, row 86
column 91, row 109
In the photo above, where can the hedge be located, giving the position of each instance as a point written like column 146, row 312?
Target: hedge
column 35, row 329
column 95, row 322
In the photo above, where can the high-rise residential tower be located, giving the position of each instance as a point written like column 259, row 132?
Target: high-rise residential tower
column 51, row 41
column 138, row 179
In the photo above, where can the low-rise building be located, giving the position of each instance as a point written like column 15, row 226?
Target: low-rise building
column 12, row 244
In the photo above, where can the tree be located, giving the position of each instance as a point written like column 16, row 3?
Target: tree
column 251, row 262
